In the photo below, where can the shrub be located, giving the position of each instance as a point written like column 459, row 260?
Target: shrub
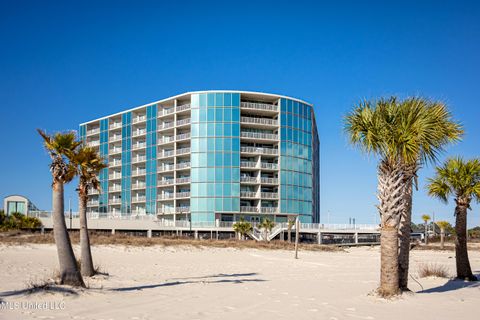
column 18, row 221
column 432, row 270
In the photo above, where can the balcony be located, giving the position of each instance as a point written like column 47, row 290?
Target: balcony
column 114, row 151
column 115, row 138
column 166, row 139
column 139, row 146
column 183, row 107
column 139, row 172
column 93, row 192
column 249, row 179
column 115, row 176
column 259, row 135
column 138, row 133
column 183, row 165
column 115, row 163
column 184, row 209
column 183, row 136
column 259, row 150
column 183, row 151
column 261, row 121
column 259, row 106
column 165, row 112
column 139, row 119
column 115, row 188
column 248, row 209
column 269, row 195
column 138, row 199
column 183, row 122
column 138, row 159
column 165, row 182
column 115, row 201
column 183, row 194
column 266, row 180
column 166, row 196
column 269, row 209
column 183, row 180
column 166, row 154
column 165, row 168
column 93, row 143
column 92, row 203
column 268, row 165
column 248, row 164
column 137, row 186
column 165, row 125
column 93, row 131
column 115, row 125
column 248, row 194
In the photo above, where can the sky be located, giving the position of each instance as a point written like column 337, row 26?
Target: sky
column 64, row 63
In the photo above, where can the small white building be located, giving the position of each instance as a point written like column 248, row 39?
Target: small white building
column 18, row 203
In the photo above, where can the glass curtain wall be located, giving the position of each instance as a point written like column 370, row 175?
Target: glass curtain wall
column 103, row 176
column 151, row 164
column 126, row 207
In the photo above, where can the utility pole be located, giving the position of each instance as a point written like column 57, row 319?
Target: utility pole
column 297, row 235
column 70, row 210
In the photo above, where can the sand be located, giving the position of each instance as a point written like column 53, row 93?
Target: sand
column 224, row 283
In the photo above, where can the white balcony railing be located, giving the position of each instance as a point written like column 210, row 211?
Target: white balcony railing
column 115, row 201
column 166, row 139
column 93, row 143
column 183, row 122
column 139, row 172
column 93, row 131
column 259, row 106
column 165, row 112
column 115, row 163
column 115, row 176
column 165, row 168
column 248, row 194
column 183, row 194
column 248, row 209
column 267, row 180
column 253, row 120
column 183, row 136
column 269, row 209
column 183, row 151
column 115, row 125
column 166, row 196
column 165, row 125
column 165, row 153
column 115, row 188
column 269, row 195
column 165, row 182
column 183, row 180
column 137, row 133
column 183, row 107
column 184, row 209
column 138, row 199
column 139, row 145
column 183, row 165
column 248, row 164
column 249, row 179
column 115, row 151
column 139, row 159
column 138, row 119
column 92, row 203
column 268, row 165
column 138, row 186
column 259, row 135
column 259, row 150
column 117, row 137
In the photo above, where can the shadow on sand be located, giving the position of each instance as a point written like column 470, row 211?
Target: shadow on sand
column 46, row 288
column 454, row 284
column 191, row 280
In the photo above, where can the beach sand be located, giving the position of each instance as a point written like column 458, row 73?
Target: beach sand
column 225, row 283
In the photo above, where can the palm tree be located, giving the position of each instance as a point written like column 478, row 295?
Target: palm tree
column 443, row 225
column 461, row 179
column 291, row 223
column 425, row 219
column 267, row 225
column 242, row 227
column 88, row 164
column 403, row 135
column 60, row 146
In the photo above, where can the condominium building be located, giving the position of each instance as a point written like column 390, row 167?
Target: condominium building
column 209, row 156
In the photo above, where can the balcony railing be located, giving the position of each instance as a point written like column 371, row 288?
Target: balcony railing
column 115, row 125
column 182, row 209
column 115, row 188
column 93, row 131
column 165, row 168
column 183, row 194
column 183, row 122
column 165, row 112
column 259, row 150
column 183, row 136
column 183, row 180
column 165, row 125
column 248, row 194
column 139, row 159
column 253, row 120
column 269, row 180
column 115, row 163
column 259, row 135
column 92, row 203
column 165, row 182
column 183, row 107
column 138, row 172
column 259, row 106
column 248, row 209
column 138, row 186
column 248, row 164
column 166, row 139
column 115, row 138
column 249, row 179
column 183, row 165
column 115, row 176
column 93, row 143
column 115, row 201
column 183, row 151
column 165, row 154
column 269, row 195
column 269, row 209
column 137, row 133
column 139, row 146
column 166, row 196
column 115, row 151
column 268, row 165
column 138, row 199
column 139, row 119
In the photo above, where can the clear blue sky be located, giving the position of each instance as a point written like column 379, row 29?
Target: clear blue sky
column 63, row 64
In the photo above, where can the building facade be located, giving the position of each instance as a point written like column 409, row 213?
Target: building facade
column 209, row 156
column 17, row 203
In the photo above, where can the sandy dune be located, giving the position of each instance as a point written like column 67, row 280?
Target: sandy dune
column 188, row 283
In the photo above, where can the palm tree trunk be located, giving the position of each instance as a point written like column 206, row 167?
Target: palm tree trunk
column 461, row 254
column 69, row 273
column 404, row 235
column 85, row 251
column 390, row 195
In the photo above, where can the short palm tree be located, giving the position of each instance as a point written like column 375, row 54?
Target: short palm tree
column 88, row 164
column 403, row 135
column 242, row 227
column 461, row 179
column 60, row 146
column 443, row 225
column 267, row 225
column 425, row 219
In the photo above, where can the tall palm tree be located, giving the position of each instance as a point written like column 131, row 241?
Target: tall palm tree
column 267, row 225
column 425, row 219
column 60, row 146
column 88, row 164
column 403, row 135
column 461, row 179
column 443, row 225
